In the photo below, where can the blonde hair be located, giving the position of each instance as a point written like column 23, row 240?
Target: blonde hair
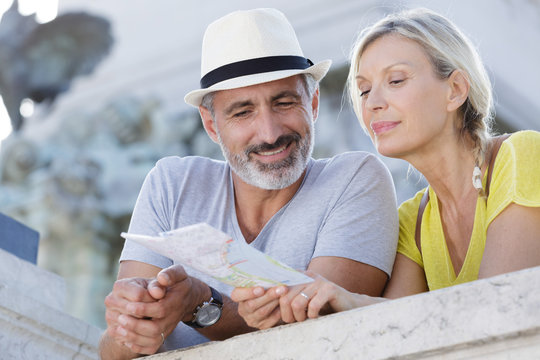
column 448, row 49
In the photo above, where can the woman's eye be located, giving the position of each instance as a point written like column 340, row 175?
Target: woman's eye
column 396, row 82
column 364, row 93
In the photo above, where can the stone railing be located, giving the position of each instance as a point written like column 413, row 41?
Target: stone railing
column 496, row 318
column 33, row 324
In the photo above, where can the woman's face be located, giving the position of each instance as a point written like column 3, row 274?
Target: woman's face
column 404, row 103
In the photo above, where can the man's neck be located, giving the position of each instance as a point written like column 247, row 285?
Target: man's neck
column 256, row 206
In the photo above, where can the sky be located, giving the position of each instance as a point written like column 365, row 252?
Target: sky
column 45, row 10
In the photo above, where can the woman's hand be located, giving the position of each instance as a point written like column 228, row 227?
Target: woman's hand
column 319, row 297
column 259, row 307
column 264, row 309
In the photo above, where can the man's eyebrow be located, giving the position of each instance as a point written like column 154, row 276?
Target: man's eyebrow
column 286, row 93
column 238, row 104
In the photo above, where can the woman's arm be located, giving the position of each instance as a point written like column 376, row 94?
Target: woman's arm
column 324, row 296
column 258, row 307
column 408, row 278
column 512, row 241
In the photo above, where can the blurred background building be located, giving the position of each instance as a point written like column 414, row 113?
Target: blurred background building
column 73, row 169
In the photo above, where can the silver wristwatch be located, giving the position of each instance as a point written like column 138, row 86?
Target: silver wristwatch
column 209, row 312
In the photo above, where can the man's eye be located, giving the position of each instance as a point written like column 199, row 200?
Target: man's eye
column 396, row 82
column 241, row 114
column 285, row 103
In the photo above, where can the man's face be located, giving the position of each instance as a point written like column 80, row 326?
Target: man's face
column 266, row 131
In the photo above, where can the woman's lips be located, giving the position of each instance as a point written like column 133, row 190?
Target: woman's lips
column 380, row 127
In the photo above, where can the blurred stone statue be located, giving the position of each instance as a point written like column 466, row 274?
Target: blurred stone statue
column 39, row 61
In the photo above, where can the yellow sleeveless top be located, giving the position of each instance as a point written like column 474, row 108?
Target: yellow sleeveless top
column 515, row 178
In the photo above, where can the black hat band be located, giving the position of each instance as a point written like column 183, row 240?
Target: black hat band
column 254, row 66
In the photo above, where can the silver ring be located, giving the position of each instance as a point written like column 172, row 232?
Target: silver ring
column 304, row 295
column 162, row 339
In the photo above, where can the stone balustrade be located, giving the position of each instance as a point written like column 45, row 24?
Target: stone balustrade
column 495, row 318
column 33, row 324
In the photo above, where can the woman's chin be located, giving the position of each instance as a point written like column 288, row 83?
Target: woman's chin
column 385, row 150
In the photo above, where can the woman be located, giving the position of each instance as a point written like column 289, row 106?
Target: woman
column 420, row 90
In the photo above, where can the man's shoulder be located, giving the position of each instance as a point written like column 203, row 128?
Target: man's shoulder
column 188, row 160
column 349, row 156
column 189, row 163
column 355, row 167
column 350, row 161
column 192, row 171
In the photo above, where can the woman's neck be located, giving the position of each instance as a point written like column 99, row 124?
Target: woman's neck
column 448, row 170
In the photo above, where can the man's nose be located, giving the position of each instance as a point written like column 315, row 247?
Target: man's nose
column 269, row 127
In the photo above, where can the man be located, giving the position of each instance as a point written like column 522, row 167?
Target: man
column 337, row 217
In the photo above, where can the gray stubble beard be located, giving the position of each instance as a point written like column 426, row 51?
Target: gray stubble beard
column 273, row 176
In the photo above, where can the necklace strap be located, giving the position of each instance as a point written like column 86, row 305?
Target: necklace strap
column 495, row 146
column 421, row 208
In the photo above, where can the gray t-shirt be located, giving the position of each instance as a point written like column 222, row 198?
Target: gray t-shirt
column 345, row 207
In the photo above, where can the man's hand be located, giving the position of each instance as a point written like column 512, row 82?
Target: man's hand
column 126, row 327
column 140, row 309
column 144, row 322
column 178, row 295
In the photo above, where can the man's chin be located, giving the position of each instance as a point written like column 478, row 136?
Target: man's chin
column 274, row 179
column 280, row 165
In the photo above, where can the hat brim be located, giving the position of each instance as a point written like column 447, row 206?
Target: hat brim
column 318, row 71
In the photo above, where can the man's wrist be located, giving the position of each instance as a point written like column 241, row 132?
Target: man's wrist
column 207, row 312
column 199, row 292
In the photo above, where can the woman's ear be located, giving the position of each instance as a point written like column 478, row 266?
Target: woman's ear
column 208, row 123
column 458, row 89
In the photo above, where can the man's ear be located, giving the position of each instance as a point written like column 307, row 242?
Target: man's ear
column 315, row 104
column 209, row 123
column 458, row 90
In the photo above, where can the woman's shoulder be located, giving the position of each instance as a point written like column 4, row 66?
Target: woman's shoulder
column 408, row 210
column 515, row 173
column 525, row 140
column 520, row 150
column 525, row 136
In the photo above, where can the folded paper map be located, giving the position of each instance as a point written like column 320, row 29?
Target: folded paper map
column 216, row 254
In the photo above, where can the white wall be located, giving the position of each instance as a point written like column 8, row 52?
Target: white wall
column 157, row 48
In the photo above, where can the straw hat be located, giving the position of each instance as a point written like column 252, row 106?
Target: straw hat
column 251, row 47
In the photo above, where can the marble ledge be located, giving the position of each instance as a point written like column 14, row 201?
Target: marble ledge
column 33, row 324
column 33, row 330
column 29, row 280
column 497, row 318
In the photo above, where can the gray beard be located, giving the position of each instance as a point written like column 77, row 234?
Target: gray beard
column 273, row 176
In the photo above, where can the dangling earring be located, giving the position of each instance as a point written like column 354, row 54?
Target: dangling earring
column 477, row 178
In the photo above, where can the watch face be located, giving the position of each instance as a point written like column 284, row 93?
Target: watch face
column 208, row 315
